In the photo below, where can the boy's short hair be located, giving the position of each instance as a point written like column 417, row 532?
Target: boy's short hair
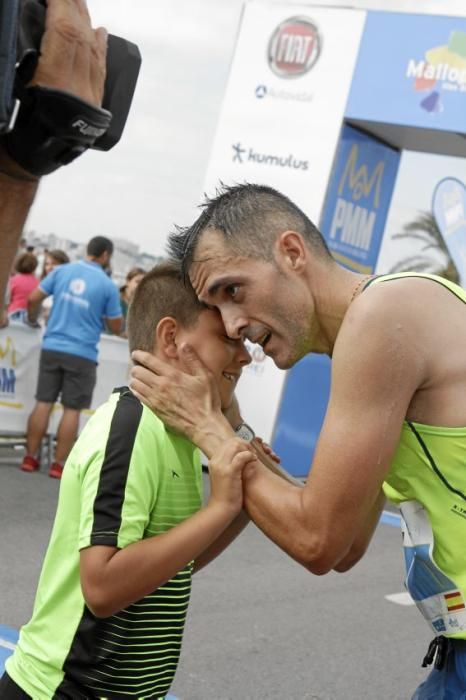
column 161, row 292
column 26, row 263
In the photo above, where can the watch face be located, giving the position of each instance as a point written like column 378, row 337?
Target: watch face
column 244, row 432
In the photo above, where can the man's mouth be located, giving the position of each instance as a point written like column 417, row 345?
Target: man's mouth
column 230, row 376
column 264, row 339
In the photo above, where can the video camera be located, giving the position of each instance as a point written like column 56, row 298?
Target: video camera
column 43, row 128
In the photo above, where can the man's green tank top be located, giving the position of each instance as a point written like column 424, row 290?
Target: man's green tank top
column 427, row 481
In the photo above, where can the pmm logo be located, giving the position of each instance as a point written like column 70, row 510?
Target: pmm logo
column 294, row 47
column 358, row 180
column 8, row 374
column 352, row 223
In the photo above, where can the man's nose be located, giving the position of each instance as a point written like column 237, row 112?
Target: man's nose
column 235, row 325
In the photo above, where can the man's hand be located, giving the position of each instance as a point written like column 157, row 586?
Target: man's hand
column 188, row 402
column 73, row 54
column 226, row 471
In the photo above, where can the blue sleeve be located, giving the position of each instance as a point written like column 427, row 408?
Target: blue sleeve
column 113, row 306
column 48, row 283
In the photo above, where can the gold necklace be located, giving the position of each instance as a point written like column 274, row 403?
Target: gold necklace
column 359, row 285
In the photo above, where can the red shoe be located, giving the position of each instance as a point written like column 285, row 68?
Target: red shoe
column 56, row 470
column 30, row 464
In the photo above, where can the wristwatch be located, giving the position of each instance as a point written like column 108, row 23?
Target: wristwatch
column 245, row 432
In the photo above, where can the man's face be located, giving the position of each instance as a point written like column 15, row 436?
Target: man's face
column 257, row 299
column 225, row 357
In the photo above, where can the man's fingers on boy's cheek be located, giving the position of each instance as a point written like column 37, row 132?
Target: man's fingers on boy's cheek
column 144, row 358
column 138, row 388
column 192, row 362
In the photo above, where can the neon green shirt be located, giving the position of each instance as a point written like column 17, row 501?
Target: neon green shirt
column 126, row 479
column 427, row 480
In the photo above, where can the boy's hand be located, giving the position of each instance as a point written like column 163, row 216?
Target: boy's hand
column 226, row 471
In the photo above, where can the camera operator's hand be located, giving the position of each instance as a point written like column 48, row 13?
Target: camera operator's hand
column 73, row 54
column 72, row 60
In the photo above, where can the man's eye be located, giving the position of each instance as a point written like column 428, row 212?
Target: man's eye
column 232, row 290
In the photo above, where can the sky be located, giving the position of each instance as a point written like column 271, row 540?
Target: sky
column 153, row 178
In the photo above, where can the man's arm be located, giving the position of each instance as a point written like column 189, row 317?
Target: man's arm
column 35, row 299
column 240, row 522
column 17, row 192
column 373, row 381
column 363, row 538
column 72, row 58
column 115, row 324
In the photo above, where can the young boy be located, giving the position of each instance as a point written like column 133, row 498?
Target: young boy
column 130, row 528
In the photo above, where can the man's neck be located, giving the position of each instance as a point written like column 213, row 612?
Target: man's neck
column 332, row 292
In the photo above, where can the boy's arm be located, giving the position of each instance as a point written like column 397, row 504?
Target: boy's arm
column 222, row 542
column 113, row 578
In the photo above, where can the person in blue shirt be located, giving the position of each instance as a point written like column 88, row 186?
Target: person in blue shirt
column 84, row 299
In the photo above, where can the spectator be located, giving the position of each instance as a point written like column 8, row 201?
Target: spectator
column 22, row 283
column 52, row 259
column 84, row 298
column 133, row 278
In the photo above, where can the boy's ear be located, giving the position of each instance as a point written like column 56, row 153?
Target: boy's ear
column 165, row 337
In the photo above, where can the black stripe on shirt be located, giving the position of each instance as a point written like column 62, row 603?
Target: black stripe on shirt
column 110, row 494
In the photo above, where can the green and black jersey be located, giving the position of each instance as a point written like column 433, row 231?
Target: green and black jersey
column 126, row 479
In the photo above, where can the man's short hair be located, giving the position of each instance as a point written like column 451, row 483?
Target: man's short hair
column 26, row 263
column 250, row 217
column 99, row 245
column 160, row 293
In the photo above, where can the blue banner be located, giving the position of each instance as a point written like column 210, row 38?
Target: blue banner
column 358, row 199
column 411, row 71
column 449, row 210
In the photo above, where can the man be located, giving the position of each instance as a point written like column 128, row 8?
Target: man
column 72, row 60
column 397, row 411
column 130, row 528
column 84, row 299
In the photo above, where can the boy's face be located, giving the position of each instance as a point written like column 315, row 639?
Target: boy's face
column 225, row 357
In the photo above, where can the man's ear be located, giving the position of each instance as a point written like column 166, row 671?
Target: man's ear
column 291, row 250
column 165, row 337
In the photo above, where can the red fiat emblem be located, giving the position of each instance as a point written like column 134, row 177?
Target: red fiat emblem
column 294, row 47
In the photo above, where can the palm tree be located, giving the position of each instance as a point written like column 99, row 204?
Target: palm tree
column 425, row 229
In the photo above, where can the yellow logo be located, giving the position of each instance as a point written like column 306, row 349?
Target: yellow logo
column 8, row 350
column 359, row 182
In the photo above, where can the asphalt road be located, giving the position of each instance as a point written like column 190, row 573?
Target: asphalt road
column 260, row 627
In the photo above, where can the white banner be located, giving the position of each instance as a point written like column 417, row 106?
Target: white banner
column 19, row 361
column 279, row 125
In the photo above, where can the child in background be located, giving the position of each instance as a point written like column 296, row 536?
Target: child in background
column 21, row 284
column 52, row 259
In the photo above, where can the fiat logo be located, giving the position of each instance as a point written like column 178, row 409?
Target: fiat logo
column 294, row 47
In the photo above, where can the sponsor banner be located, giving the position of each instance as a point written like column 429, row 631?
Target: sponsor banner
column 259, row 391
column 449, row 210
column 19, row 363
column 279, row 126
column 411, row 71
column 302, row 411
column 285, row 99
column 358, row 199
